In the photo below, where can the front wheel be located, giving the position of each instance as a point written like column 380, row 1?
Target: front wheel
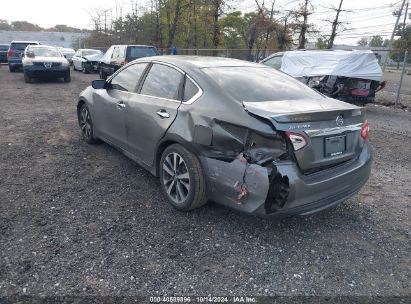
column 83, row 68
column 182, row 178
column 27, row 79
column 102, row 74
column 86, row 124
column 67, row 78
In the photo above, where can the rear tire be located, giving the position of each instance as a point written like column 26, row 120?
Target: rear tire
column 182, row 178
column 11, row 69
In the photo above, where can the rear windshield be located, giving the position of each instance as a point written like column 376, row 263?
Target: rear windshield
column 21, row 46
column 259, row 84
column 45, row 52
column 91, row 52
column 134, row 52
column 4, row 47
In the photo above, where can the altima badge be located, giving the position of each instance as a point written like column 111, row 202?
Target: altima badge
column 339, row 120
column 47, row 65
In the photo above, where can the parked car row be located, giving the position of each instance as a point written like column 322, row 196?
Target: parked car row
column 53, row 62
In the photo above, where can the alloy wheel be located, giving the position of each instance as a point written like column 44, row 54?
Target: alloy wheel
column 176, row 178
column 85, row 123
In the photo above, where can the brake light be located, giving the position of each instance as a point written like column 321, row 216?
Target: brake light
column 365, row 130
column 10, row 53
column 298, row 140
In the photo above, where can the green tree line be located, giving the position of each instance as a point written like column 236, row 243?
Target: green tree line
column 193, row 24
column 30, row 27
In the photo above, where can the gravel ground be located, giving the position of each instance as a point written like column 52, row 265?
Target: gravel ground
column 393, row 79
column 84, row 220
column 388, row 95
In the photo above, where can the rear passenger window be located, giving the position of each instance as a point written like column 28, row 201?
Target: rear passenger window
column 162, row 81
column 128, row 78
column 190, row 89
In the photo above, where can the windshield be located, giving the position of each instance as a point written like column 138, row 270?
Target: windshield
column 260, row 84
column 139, row 52
column 91, row 52
column 45, row 52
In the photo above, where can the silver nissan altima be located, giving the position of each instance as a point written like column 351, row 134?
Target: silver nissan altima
column 238, row 133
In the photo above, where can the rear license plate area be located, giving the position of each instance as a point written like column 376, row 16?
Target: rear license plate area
column 334, row 146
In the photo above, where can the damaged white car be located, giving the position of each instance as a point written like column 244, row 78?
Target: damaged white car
column 86, row 60
column 352, row 76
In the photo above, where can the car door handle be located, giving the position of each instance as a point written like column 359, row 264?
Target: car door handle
column 121, row 105
column 163, row 114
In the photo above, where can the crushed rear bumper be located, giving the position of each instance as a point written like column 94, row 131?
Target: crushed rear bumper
column 246, row 187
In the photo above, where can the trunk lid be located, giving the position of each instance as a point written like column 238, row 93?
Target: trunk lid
column 330, row 127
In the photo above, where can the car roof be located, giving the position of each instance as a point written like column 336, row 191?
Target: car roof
column 138, row 45
column 42, row 46
column 200, row 62
column 25, row 41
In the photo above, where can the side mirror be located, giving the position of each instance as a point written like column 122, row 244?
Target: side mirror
column 99, row 84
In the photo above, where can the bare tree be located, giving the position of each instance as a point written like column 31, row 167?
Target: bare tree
column 336, row 24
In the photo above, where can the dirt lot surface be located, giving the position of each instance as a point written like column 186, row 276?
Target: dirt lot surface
column 77, row 219
column 393, row 79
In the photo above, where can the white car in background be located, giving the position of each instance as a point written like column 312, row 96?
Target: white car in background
column 68, row 53
column 86, row 60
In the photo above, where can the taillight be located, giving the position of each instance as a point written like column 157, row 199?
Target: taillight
column 10, row 53
column 297, row 140
column 365, row 130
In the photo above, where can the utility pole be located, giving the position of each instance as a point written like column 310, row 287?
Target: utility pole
column 283, row 43
column 303, row 31
column 267, row 34
column 334, row 28
column 392, row 36
column 404, row 63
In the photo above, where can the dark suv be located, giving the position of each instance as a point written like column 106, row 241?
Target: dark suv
column 16, row 52
column 3, row 53
column 119, row 55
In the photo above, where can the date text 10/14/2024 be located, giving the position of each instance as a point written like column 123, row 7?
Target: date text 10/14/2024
column 201, row 299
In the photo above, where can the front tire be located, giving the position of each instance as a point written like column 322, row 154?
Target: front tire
column 67, row 78
column 182, row 178
column 102, row 74
column 83, row 68
column 86, row 124
column 27, row 79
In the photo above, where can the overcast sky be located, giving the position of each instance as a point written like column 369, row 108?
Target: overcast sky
column 368, row 17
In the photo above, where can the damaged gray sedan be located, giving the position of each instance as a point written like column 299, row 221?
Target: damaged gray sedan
column 237, row 133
